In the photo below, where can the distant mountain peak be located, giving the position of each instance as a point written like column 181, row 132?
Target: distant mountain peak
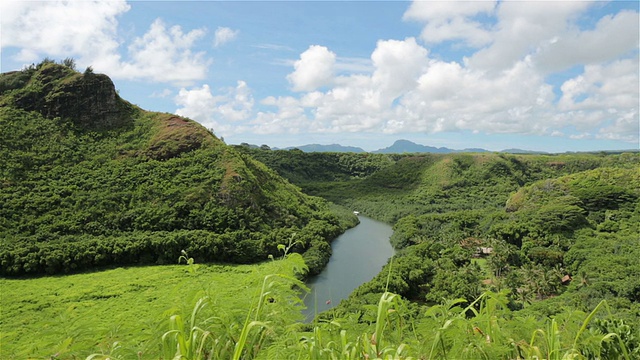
column 406, row 146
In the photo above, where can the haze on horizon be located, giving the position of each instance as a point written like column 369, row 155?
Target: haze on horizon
column 533, row 75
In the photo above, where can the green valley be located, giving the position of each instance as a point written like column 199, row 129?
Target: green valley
column 130, row 234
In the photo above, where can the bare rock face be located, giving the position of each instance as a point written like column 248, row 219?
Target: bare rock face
column 89, row 100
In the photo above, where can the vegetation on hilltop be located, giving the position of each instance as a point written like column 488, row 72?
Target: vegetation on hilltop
column 391, row 186
column 87, row 179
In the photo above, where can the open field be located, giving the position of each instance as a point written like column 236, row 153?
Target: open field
column 74, row 316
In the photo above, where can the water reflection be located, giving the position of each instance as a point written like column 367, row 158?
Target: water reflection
column 358, row 256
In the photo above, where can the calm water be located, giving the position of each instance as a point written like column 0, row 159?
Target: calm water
column 358, row 256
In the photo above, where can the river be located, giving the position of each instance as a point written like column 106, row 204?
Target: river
column 358, row 255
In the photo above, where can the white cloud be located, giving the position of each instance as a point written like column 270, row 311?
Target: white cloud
column 398, row 64
column 289, row 118
column 197, row 104
column 450, row 97
column 624, row 127
column 613, row 36
column 452, row 20
column 604, row 97
column 609, row 86
column 314, row 69
column 162, row 54
column 524, row 26
column 238, row 103
column 409, row 92
column 224, row 35
column 218, row 111
column 88, row 31
column 57, row 28
column 501, row 88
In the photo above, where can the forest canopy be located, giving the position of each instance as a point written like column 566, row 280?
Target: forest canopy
column 88, row 179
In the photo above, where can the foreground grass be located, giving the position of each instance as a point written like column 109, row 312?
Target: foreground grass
column 253, row 312
column 77, row 315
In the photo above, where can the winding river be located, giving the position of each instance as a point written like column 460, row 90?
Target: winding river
column 358, row 255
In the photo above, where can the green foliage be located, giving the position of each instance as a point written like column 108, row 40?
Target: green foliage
column 76, row 196
column 539, row 241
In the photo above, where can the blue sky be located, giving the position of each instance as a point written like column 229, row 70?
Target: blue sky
column 537, row 75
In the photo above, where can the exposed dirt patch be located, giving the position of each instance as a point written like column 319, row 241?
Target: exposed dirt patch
column 176, row 135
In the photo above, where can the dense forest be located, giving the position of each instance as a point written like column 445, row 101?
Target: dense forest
column 89, row 180
column 550, row 233
column 499, row 256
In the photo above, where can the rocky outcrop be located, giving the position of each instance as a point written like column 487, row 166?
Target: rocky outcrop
column 89, row 100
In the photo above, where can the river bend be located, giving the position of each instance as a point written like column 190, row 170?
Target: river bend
column 358, row 255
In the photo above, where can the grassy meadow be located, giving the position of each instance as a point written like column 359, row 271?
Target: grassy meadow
column 121, row 310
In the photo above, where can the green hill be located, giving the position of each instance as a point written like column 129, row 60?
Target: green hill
column 544, row 216
column 88, row 179
column 391, row 186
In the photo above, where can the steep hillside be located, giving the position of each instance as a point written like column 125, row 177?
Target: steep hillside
column 539, row 218
column 391, row 186
column 87, row 179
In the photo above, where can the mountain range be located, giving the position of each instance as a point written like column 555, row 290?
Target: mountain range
column 399, row 147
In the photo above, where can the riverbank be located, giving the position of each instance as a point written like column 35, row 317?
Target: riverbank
column 358, row 255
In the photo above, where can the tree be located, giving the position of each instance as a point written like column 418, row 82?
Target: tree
column 70, row 63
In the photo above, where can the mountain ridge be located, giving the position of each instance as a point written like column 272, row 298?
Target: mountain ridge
column 398, row 147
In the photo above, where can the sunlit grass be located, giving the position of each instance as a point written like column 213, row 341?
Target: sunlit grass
column 252, row 312
column 76, row 315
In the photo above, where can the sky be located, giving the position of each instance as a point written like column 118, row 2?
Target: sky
column 550, row 76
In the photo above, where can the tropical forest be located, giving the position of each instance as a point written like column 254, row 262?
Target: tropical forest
column 131, row 234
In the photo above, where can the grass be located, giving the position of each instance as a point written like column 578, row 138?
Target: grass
column 196, row 311
column 74, row 316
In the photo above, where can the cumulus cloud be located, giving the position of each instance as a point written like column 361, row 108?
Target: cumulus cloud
column 224, row 35
column 216, row 111
column 314, row 69
column 603, row 86
column 522, row 27
column 613, row 36
column 289, row 117
column 409, row 92
column 162, row 54
column 501, row 88
column 605, row 97
column 88, row 31
column 58, row 28
column 451, row 20
column 397, row 67
column 450, row 97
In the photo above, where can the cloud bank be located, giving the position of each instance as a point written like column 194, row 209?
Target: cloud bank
column 88, row 31
column 501, row 88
